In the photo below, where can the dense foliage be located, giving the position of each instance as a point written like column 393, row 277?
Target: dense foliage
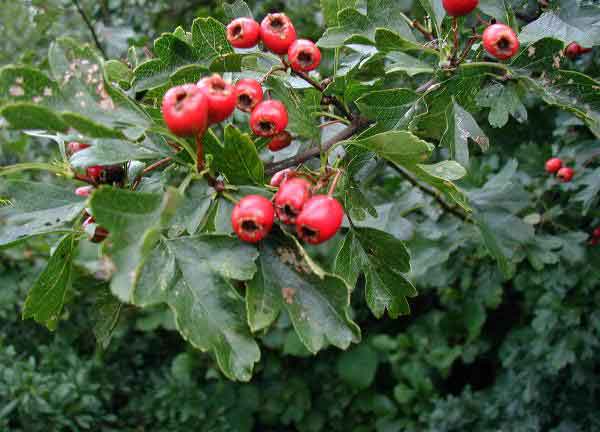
column 445, row 162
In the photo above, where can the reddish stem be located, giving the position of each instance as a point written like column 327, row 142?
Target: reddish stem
column 420, row 27
column 334, row 183
column 199, row 151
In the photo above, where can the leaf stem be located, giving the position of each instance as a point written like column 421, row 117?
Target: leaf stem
column 199, row 151
column 334, row 183
column 150, row 168
column 90, row 26
column 437, row 195
column 357, row 124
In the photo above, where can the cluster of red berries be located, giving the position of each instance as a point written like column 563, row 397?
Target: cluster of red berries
column 563, row 173
column 499, row 40
column 98, row 174
column 574, row 50
column 190, row 108
column 317, row 217
column 278, row 35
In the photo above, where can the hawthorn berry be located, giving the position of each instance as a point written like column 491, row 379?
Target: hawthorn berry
column 249, row 93
column 106, row 174
column 95, row 172
column 252, row 218
column 304, row 55
column 185, row 110
column 221, row 97
column 565, row 174
column 459, row 7
column 596, row 233
column 553, row 165
column 269, row 118
column 280, row 141
column 84, row 191
column 500, row 41
column 277, row 33
column 290, row 199
column 96, row 234
column 281, row 176
column 574, row 50
column 320, row 219
column 243, row 33
column 74, row 147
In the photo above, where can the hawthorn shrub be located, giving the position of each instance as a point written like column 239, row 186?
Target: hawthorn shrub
column 459, row 292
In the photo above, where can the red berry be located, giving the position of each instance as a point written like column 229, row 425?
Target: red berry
column 277, row 33
column 220, row 96
column 243, row 33
column 553, row 165
column 269, row 118
column 566, row 174
column 459, row 7
column 320, row 219
column 304, row 56
column 596, row 232
column 96, row 233
column 500, row 41
column 249, row 93
column 252, row 218
column 185, row 110
column 281, row 176
column 74, row 147
column 290, row 199
column 574, row 50
column 84, row 191
column 280, row 141
column 95, row 172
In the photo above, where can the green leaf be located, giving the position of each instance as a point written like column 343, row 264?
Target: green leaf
column 570, row 23
column 46, row 298
column 105, row 316
column 400, row 62
column 355, row 27
column 387, row 40
column 400, row 147
column 134, row 221
column 112, row 151
column 237, row 9
column 37, row 209
column 383, row 259
column 208, row 310
column 460, row 126
column 502, row 101
column 436, row 13
column 119, row 72
column 210, row 39
column 358, row 366
column 197, row 198
column 316, row 302
column 31, row 116
column 331, row 8
column 589, row 195
column 237, row 158
column 394, row 108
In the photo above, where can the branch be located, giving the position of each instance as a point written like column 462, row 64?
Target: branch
column 88, row 23
column 150, row 168
column 437, row 195
column 420, row 27
column 357, row 124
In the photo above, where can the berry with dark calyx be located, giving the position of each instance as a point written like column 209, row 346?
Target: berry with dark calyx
column 281, row 176
column 553, row 165
column 596, row 232
column 84, row 191
column 248, row 93
column 500, row 41
column 221, row 97
column 565, row 174
column 113, row 174
column 96, row 234
column 277, row 33
column 304, row 56
column 290, row 199
column 459, row 7
column 320, row 219
column 269, row 118
column 95, row 172
column 574, row 50
column 243, row 33
column 74, row 147
column 185, row 110
column 252, row 218
column 280, row 141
